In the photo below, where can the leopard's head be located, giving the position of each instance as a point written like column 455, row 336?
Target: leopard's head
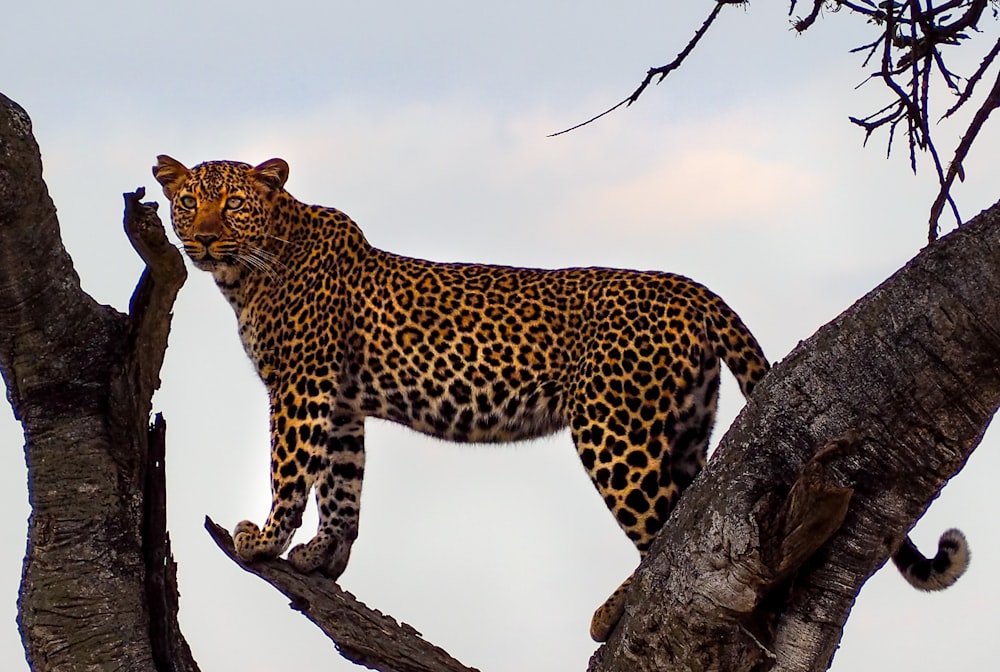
column 221, row 210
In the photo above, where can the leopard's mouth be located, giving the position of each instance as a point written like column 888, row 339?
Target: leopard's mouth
column 211, row 264
column 207, row 259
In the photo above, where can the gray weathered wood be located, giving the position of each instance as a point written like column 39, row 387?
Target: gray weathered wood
column 98, row 590
column 362, row 635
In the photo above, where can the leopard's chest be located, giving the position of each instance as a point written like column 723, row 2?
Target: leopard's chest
column 289, row 330
column 257, row 335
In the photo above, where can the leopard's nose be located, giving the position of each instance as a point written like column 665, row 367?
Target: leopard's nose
column 206, row 239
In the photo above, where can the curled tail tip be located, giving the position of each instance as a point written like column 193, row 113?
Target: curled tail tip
column 940, row 571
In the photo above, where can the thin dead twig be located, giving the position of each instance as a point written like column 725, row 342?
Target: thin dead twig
column 955, row 169
column 661, row 71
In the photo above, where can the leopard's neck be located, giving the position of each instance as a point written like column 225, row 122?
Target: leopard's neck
column 303, row 240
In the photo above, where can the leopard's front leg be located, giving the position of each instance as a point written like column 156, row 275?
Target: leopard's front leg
column 338, row 498
column 300, row 434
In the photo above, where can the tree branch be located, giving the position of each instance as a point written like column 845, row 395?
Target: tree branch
column 911, row 34
column 171, row 652
column 663, row 70
column 154, row 295
column 955, row 169
column 802, row 25
column 362, row 635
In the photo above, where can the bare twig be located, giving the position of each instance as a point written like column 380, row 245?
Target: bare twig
column 661, row 71
column 871, row 48
column 955, row 168
column 804, row 24
column 970, row 84
column 911, row 34
column 876, row 14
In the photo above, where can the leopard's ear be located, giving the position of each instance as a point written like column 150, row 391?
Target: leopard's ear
column 169, row 173
column 272, row 175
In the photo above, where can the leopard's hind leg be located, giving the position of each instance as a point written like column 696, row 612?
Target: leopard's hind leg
column 645, row 450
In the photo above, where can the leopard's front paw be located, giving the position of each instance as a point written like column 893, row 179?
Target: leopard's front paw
column 250, row 543
column 326, row 553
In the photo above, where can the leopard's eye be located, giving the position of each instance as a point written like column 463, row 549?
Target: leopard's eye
column 234, row 203
column 188, row 202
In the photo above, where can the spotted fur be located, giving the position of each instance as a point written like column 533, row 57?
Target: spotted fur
column 939, row 572
column 340, row 331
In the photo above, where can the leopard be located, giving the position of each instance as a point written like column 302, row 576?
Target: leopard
column 340, row 331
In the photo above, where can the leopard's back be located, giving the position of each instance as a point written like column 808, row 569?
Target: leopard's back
column 473, row 353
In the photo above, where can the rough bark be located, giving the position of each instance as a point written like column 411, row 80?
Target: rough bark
column 841, row 450
column 364, row 636
column 98, row 589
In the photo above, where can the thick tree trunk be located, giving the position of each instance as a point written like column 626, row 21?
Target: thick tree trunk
column 842, row 448
column 98, row 589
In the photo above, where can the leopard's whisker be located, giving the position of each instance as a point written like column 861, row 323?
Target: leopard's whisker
column 263, row 260
column 267, row 256
column 256, row 263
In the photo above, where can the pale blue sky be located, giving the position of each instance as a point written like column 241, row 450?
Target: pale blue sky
column 427, row 124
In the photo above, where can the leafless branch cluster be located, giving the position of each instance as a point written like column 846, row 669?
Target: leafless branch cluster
column 908, row 58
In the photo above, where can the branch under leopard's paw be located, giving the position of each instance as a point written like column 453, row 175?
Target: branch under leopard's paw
column 251, row 544
column 327, row 553
column 362, row 635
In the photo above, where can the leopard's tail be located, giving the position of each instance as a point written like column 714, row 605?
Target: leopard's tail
column 935, row 573
column 735, row 345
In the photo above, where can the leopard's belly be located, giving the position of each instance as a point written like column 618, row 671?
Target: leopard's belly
column 459, row 409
